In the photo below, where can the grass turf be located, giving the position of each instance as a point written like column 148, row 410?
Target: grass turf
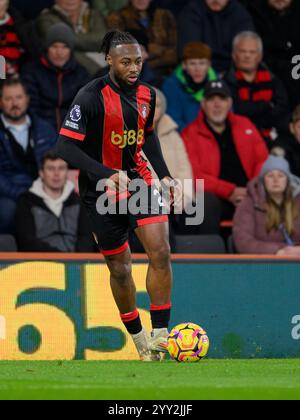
column 208, row 379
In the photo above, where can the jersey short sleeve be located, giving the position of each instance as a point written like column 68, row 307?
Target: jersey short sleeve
column 78, row 117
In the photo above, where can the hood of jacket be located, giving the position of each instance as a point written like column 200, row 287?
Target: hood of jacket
column 56, row 206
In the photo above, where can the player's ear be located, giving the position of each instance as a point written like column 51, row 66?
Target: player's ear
column 109, row 60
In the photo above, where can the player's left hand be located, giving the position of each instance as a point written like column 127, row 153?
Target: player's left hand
column 176, row 190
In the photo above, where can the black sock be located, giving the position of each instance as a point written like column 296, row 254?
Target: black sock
column 160, row 316
column 132, row 322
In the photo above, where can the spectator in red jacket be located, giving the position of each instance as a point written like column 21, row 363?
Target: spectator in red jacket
column 226, row 150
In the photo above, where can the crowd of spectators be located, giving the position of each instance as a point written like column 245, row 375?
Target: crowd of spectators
column 228, row 112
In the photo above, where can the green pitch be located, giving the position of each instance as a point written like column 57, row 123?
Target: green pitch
column 208, row 379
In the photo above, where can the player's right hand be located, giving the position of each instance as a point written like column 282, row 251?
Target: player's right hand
column 118, row 182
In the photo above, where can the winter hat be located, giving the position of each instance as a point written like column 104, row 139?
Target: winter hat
column 276, row 163
column 194, row 50
column 60, row 32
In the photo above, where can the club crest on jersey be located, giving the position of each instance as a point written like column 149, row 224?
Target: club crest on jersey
column 75, row 113
column 144, row 109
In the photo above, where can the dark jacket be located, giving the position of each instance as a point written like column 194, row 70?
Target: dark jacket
column 162, row 33
column 40, row 230
column 264, row 113
column 249, row 227
column 198, row 23
column 292, row 152
column 13, row 176
column 52, row 90
column 281, row 36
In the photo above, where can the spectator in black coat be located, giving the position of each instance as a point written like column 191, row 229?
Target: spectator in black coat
column 54, row 80
column 49, row 217
column 30, row 9
column 257, row 93
column 215, row 23
column 277, row 22
column 290, row 144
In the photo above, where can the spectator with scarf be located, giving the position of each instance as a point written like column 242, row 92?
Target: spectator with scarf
column 257, row 93
column 184, row 89
column 268, row 220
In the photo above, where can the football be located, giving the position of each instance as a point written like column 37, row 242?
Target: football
column 188, row 342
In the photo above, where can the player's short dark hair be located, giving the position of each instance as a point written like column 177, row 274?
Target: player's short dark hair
column 51, row 155
column 13, row 81
column 115, row 38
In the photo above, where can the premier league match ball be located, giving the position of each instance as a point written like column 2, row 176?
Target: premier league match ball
column 188, row 343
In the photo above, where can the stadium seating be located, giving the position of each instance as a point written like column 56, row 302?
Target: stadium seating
column 200, row 244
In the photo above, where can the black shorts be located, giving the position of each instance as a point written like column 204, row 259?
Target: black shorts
column 111, row 230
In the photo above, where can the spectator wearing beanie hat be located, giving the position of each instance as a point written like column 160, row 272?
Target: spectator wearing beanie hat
column 54, row 80
column 268, row 219
column 184, row 89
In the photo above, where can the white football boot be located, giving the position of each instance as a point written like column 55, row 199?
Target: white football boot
column 141, row 342
column 159, row 340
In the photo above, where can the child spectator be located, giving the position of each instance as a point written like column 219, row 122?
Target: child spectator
column 268, row 220
column 184, row 89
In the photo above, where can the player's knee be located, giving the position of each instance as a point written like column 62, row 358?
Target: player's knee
column 121, row 273
column 160, row 257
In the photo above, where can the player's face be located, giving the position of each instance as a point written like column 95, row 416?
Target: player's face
column 216, row 108
column 216, row 5
column 295, row 130
column 280, row 5
column 54, row 174
column 247, row 55
column 276, row 182
column 59, row 54
column 14, row 102
column 126, row 64
column 197, row 69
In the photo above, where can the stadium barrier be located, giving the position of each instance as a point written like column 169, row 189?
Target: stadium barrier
column 60, row 307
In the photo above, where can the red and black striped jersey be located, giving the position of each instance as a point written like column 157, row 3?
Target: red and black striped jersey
column 113, row 125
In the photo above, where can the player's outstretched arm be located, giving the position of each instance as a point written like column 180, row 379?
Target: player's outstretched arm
column 70, row 151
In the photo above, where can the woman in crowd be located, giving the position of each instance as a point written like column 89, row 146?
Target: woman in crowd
column 268, row 220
